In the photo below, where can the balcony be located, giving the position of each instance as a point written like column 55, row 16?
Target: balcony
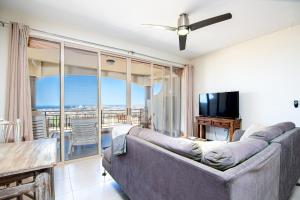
column 109, row 118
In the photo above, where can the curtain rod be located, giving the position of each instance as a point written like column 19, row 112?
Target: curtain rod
column 3, row 23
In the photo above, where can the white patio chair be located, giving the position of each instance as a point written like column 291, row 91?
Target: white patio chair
column 10, row 131
column 39, row 128
column 84, row 132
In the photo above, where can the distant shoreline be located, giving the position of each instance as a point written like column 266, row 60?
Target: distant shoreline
column 80, row 107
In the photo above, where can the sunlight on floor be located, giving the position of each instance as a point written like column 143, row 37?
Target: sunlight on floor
column 82, row 180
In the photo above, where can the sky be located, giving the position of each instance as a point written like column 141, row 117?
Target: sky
column 82, row 91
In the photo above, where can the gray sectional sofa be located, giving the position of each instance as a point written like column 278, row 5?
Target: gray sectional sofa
column 150, row 172
column 289, row 158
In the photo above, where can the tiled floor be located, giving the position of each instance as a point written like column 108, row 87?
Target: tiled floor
column 82, row 180
column 296, row 193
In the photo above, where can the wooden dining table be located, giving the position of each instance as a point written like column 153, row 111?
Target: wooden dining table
column 31, row 159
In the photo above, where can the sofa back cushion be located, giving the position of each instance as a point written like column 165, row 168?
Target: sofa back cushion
column 181, row 146
column 233, row 153
column 267, row 134
column 271, row 132
column 285, row 126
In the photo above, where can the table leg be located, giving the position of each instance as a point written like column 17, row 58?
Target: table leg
column 51, row 173
column 231, row 133
column 19, row 182
column 202, row 131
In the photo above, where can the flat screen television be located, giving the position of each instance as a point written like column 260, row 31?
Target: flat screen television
column 225, row 104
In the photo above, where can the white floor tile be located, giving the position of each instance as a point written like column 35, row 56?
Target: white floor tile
column 62, row 187
column 83, row 180
column 296, row 193
column 64, row 197
column 89, row 167
column 96, row 192
column 61, row 172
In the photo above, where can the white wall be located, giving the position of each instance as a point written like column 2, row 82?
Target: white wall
column 265, row 70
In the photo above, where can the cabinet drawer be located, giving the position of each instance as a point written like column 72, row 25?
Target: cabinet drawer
column 204, row 122
column 221, row 124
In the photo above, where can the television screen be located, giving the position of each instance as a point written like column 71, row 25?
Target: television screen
column 224, row 104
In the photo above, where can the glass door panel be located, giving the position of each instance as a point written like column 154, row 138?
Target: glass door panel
column 140, row 94
column 161, row 100
column 113, row 95
column 80, row 103
column 176, row 93
column 44, row 71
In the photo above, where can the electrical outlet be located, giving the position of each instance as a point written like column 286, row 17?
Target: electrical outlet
column 296, row 103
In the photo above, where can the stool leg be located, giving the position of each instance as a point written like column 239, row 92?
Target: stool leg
column 21, row 196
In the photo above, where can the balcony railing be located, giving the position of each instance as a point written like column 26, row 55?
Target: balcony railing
column 109, row 118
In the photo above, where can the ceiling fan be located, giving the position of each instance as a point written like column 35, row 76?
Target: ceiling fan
column 184, row 26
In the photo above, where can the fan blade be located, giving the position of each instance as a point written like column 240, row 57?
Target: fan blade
column 182, row 42
column 210, row 21
column 168, row 28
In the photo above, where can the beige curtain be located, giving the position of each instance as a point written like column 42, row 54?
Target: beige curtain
column 188, row 99
column 18, row 102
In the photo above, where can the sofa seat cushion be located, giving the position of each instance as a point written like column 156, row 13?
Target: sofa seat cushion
column 207, row 146
column 107, row 154
column 267, row 134
column 181, row 146
column 233, row 153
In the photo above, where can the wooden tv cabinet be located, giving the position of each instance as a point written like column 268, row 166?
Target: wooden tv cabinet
column 230, row 124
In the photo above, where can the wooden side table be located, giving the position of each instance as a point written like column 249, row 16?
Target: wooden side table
column 230, row 124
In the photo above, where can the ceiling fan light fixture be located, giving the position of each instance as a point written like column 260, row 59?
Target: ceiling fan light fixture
column 184, row 26
column 183, row 30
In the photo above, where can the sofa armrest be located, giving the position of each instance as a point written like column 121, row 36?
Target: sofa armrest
column 259, row 176
column 237, row 135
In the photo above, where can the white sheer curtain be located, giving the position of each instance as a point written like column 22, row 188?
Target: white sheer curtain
column 188, row 96
column 18, row 102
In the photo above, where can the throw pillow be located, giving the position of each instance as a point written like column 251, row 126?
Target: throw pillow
column 251, row 129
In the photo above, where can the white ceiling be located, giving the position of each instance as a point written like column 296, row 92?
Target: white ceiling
column 122, row 19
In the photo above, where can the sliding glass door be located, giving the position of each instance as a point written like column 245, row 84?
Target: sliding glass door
column 80, row 94
column 141, row 94
column 80, row 103
column 44, row 72
column 113, row 95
